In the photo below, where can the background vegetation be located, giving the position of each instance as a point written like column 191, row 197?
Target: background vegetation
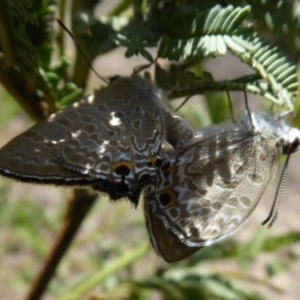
column 202, row 48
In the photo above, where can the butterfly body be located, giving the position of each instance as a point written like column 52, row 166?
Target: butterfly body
column 213, row 183
column 111, row 141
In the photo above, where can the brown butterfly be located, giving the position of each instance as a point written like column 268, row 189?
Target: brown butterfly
column 211, row 184
column 112, row 141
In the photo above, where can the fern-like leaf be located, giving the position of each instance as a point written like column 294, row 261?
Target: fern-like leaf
column 202, row 34
column 218, row 30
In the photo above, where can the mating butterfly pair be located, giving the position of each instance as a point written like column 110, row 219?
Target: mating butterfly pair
column 198, row 188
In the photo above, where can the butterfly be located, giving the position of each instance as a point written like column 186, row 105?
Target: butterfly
column 112, row 141
column 210, row 185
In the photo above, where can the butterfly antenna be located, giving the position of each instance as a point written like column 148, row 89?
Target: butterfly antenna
column 230, row 106
column 248, row 109
column 278, row 197
column 80, row 50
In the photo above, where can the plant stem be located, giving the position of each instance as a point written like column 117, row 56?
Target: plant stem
column 78, row 208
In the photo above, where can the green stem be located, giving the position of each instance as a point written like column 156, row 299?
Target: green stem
column 125, row 260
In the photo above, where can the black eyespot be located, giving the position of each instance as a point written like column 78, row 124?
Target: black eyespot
column 122, row 170
column 158, row 162
column 165, row 199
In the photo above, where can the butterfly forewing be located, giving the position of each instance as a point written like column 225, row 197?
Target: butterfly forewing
column 110, row 140
column 127, row 126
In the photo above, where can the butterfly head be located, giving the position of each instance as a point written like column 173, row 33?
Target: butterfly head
column 287, row 137
column 291, row 144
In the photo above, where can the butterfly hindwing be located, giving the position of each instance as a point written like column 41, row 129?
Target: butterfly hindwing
column 213, row 182
column 164, row 241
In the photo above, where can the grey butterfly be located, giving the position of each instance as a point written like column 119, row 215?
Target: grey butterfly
column 211, row 184
column 112, row 141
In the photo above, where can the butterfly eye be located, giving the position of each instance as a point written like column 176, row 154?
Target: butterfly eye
column 289, row 148
column 294, row 145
